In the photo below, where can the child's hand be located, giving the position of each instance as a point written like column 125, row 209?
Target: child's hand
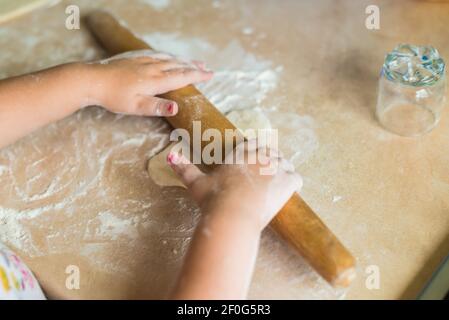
column 128, row 83
column 237, row 202
column 240, row 191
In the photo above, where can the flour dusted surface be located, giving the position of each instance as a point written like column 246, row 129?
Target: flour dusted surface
column 78, row 189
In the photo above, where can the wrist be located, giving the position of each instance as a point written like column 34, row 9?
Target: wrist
column 73, row 80
column 83, row 78
column 235, row 218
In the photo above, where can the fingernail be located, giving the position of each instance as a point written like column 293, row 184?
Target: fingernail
column 171, row 108
column 172, row 158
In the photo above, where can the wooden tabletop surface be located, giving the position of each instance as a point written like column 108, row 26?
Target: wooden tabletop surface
column 386, row 197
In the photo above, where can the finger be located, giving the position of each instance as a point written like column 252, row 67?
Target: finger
column 261, row 145
column 244, row 148
column 200, row 64
column 162, row 56
column 179, row 78
column 153, row 106
column 171, row 65
column 154, row 57
column 252, row 145
column 145, row 60
column 263, row 151
column 189, row 71
column 178, row 65
column 187, row 172
column 274, row 153
column 142, row 56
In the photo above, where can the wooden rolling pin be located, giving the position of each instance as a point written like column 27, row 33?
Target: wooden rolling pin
column 296, row 222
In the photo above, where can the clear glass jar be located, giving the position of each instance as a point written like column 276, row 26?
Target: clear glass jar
column 412, row 90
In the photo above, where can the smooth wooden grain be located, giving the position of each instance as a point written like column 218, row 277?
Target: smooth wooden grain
column 296, row 222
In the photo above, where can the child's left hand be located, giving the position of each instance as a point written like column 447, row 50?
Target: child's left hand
column 128, row 83
column 125, row 83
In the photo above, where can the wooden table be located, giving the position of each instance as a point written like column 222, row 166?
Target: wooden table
column 385, row 197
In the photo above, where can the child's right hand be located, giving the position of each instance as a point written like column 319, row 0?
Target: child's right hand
column 128, row 83
column 240, row 191
column 237, row 202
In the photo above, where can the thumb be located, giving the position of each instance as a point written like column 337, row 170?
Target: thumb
column 187, row 172
column 153, row 106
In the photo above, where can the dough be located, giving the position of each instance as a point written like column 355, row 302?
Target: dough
column 163, row 175
column 160, row 171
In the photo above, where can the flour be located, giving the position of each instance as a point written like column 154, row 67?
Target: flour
column 14, row 230
column 157, row 4
column 3, row 169
column 336, row 198
column 113, row 227
column 83, row 188
column 249, row 121
column 31, row 182
column 241, row 79
column 240, row 85
column 72, row 46
column 247, row 31
column 297, row 138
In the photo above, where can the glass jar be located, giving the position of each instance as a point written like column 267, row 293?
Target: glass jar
column 412, row 90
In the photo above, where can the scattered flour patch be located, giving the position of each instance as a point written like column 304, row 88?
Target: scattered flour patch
column 157, row 4
column 241, row 80
column 216, row 4
column 297, row 137
column 173, row 43
column 95, row 253
column 13, row 231
column 135, row 141
column 3, row 170
column 114, row 227
column 336, row 198
column 247, row 31
column 92, row 249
